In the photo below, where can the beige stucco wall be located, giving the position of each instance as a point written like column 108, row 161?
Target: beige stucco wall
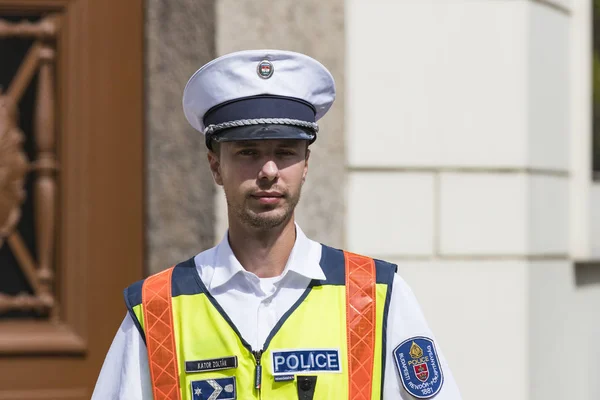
column 316, row 28
column 179, row 190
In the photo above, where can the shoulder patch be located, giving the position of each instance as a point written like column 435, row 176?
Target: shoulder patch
column 419, row 367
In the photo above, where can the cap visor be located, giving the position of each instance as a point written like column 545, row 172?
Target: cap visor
column 264, row 132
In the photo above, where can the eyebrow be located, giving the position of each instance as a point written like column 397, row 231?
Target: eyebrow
column 245, row 143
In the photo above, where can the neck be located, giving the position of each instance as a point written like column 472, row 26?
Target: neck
column 262, row 252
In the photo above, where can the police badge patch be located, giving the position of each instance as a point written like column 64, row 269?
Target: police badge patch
column 419, row 367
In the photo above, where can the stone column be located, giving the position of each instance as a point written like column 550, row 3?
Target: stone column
column 179, row 190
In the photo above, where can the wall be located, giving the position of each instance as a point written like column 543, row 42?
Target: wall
column 563, row 315
column 443, row 153
column 469, row 176
column 595, row 221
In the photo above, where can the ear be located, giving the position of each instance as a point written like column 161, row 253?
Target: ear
column 305, row 172
column 215, row 167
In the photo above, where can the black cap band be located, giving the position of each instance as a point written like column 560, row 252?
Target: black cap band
column 263, row 106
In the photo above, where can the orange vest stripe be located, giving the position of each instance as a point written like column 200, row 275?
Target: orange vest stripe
column 160, row 337
column 360, row 324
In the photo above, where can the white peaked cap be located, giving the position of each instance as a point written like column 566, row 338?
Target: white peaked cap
column 259, row 94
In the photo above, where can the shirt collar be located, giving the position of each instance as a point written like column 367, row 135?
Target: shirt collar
column 304, row 260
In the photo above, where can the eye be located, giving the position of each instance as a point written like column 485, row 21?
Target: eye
column 247, row 152
column 285, row 152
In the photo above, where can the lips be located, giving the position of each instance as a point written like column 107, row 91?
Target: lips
column 267, row 194
column 267, row 197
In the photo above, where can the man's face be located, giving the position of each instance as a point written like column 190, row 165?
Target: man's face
column 262, row 179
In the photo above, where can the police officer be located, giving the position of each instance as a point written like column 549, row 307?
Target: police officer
column 269, row 313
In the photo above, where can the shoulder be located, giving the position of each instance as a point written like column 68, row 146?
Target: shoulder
column 180, row 274
column 133, row 294
column 333, row 262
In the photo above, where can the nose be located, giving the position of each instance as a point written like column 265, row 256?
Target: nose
column 269, row 171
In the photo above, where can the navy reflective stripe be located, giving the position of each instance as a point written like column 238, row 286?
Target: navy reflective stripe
column 201, row 288
column 386, row 311
column 385, row 271
column 185, row 279
column 333, row 266
column 133, row 294
column 332, row 263
column 183, row 282
column 133, row 297
column 287, row 314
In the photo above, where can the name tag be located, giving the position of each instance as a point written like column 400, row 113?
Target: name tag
column 287, row 362
column 213, row 364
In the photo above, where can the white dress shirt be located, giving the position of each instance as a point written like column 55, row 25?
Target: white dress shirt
column 125, row 374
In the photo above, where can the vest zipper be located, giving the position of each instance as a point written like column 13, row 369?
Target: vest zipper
column 257, row 371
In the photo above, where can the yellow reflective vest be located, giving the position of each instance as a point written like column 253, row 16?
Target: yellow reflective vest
column 329, row 345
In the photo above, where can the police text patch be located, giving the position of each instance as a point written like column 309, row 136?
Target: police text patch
column 286, row 362
column 214, row 364
column 419, row 367
column 214, row 389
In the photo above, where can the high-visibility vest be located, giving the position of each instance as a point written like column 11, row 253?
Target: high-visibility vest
column 329, row 345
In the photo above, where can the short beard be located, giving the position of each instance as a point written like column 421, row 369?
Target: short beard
column 260, row 221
